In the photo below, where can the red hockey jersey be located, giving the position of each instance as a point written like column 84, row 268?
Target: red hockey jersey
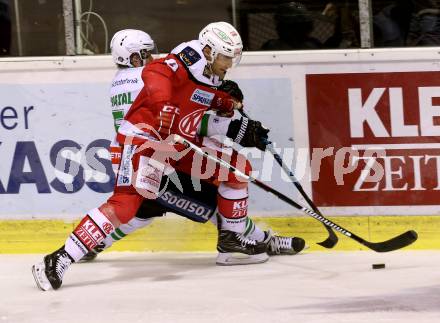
column 177, row 81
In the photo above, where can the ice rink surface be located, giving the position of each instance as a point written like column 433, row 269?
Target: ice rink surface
column 188, row 287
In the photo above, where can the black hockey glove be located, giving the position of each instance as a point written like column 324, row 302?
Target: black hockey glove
column 248, row 133
column 232, row 89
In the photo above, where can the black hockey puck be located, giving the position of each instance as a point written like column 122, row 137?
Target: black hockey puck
column 378, row 266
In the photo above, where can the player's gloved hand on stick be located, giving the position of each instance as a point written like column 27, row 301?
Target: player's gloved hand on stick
column 223, row 102
column 248, row 133
column 232, row 89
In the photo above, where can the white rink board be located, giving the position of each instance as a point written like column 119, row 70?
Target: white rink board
column 48, row 100
column 68, row 104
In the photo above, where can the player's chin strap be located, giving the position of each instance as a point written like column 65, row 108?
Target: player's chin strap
column 332, row 239
column 395, row 243
column 208, row 67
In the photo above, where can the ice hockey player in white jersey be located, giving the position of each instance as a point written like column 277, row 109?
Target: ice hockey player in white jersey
column 131, row 51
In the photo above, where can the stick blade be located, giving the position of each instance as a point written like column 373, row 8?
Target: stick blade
column 401, row 241
column 331, row 240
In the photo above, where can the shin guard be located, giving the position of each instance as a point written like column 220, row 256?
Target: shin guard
column 232, row 208
column 92, row 230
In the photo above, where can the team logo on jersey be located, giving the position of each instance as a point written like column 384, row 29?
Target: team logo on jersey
column 202, row 97
column 188, row 124
column 189, row 56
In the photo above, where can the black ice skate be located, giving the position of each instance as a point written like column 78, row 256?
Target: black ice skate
column 50, row 272
column 92, row 254
column 279, row 245
column 235, row 249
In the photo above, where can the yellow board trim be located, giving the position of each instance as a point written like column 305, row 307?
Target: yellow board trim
column 180, row 234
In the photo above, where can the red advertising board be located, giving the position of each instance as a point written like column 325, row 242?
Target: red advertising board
column 352, row 115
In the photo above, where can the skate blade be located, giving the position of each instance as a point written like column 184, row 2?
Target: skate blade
column 293, row 252
column 233, row 259
column 287, row 252
column 306, row 246
column 89, row 257
column 40, row 277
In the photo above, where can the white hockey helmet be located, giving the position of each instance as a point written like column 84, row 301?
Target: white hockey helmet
column 223, row 39
column 129, row 41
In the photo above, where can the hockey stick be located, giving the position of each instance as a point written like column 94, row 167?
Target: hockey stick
column 332, row 238
column 395, row 243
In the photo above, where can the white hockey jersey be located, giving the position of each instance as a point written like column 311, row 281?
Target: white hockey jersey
column 125, row 87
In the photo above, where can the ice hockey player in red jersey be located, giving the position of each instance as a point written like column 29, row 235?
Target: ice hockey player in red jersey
column 178, row 90
column 131, row 50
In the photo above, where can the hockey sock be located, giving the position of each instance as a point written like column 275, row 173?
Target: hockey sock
column 232, row 208
column 125, row 229
column 92, row 230
column 253, row 232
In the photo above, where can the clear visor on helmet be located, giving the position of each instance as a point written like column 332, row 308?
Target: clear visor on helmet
column 145, row 53
column 234, row 61
column 153, row 49
column 142, row 57
column 237, row 57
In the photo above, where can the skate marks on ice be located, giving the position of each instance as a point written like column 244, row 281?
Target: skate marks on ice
column 130, row 267
column 425, row 299
column 188, row 287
